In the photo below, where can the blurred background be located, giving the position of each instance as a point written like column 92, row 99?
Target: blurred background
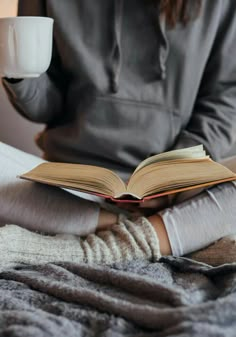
column 14, row 129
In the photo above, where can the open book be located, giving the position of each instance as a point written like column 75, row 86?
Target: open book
column 165, row 173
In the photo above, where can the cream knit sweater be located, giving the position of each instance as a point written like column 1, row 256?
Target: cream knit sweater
column 123, row 242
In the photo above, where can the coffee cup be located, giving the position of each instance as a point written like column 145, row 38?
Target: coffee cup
column 25, row 46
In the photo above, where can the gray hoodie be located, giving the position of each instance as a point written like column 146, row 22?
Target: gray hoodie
column 122, row 85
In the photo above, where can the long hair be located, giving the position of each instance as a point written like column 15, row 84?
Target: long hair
column 178, row 10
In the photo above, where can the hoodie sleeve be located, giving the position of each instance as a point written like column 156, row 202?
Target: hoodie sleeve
column 38, row 99
column 213, row 121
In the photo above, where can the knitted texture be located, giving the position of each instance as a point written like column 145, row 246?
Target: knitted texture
column 220, row 252
column 123, row 242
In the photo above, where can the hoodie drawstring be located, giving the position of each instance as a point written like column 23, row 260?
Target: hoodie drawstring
column 116, row 56
column 163, row 43
column 164, row 47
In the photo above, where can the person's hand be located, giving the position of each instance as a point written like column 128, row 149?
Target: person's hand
column 171, row 199
column 152, row 206
column 147, row 207
column 158, row 203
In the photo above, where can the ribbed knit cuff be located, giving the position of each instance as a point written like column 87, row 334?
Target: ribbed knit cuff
column 146, row 237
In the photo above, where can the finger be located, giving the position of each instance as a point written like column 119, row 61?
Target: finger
column 160, row 202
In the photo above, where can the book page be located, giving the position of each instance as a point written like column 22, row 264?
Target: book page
column 174, row 174
column 76, row 176
column 190, row 152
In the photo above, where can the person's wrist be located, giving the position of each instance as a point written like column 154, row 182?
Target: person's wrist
column 160, row 229
column 106, row 219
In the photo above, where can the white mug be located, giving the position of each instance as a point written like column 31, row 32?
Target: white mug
column 25, row 46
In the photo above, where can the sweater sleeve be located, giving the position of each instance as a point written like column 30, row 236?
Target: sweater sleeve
column 199, row 221
column 38, row 99
column 213, row 121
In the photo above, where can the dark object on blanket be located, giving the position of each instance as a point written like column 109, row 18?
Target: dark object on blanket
column 176, row 297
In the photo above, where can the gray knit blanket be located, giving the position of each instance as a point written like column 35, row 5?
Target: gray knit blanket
column 174, row 297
